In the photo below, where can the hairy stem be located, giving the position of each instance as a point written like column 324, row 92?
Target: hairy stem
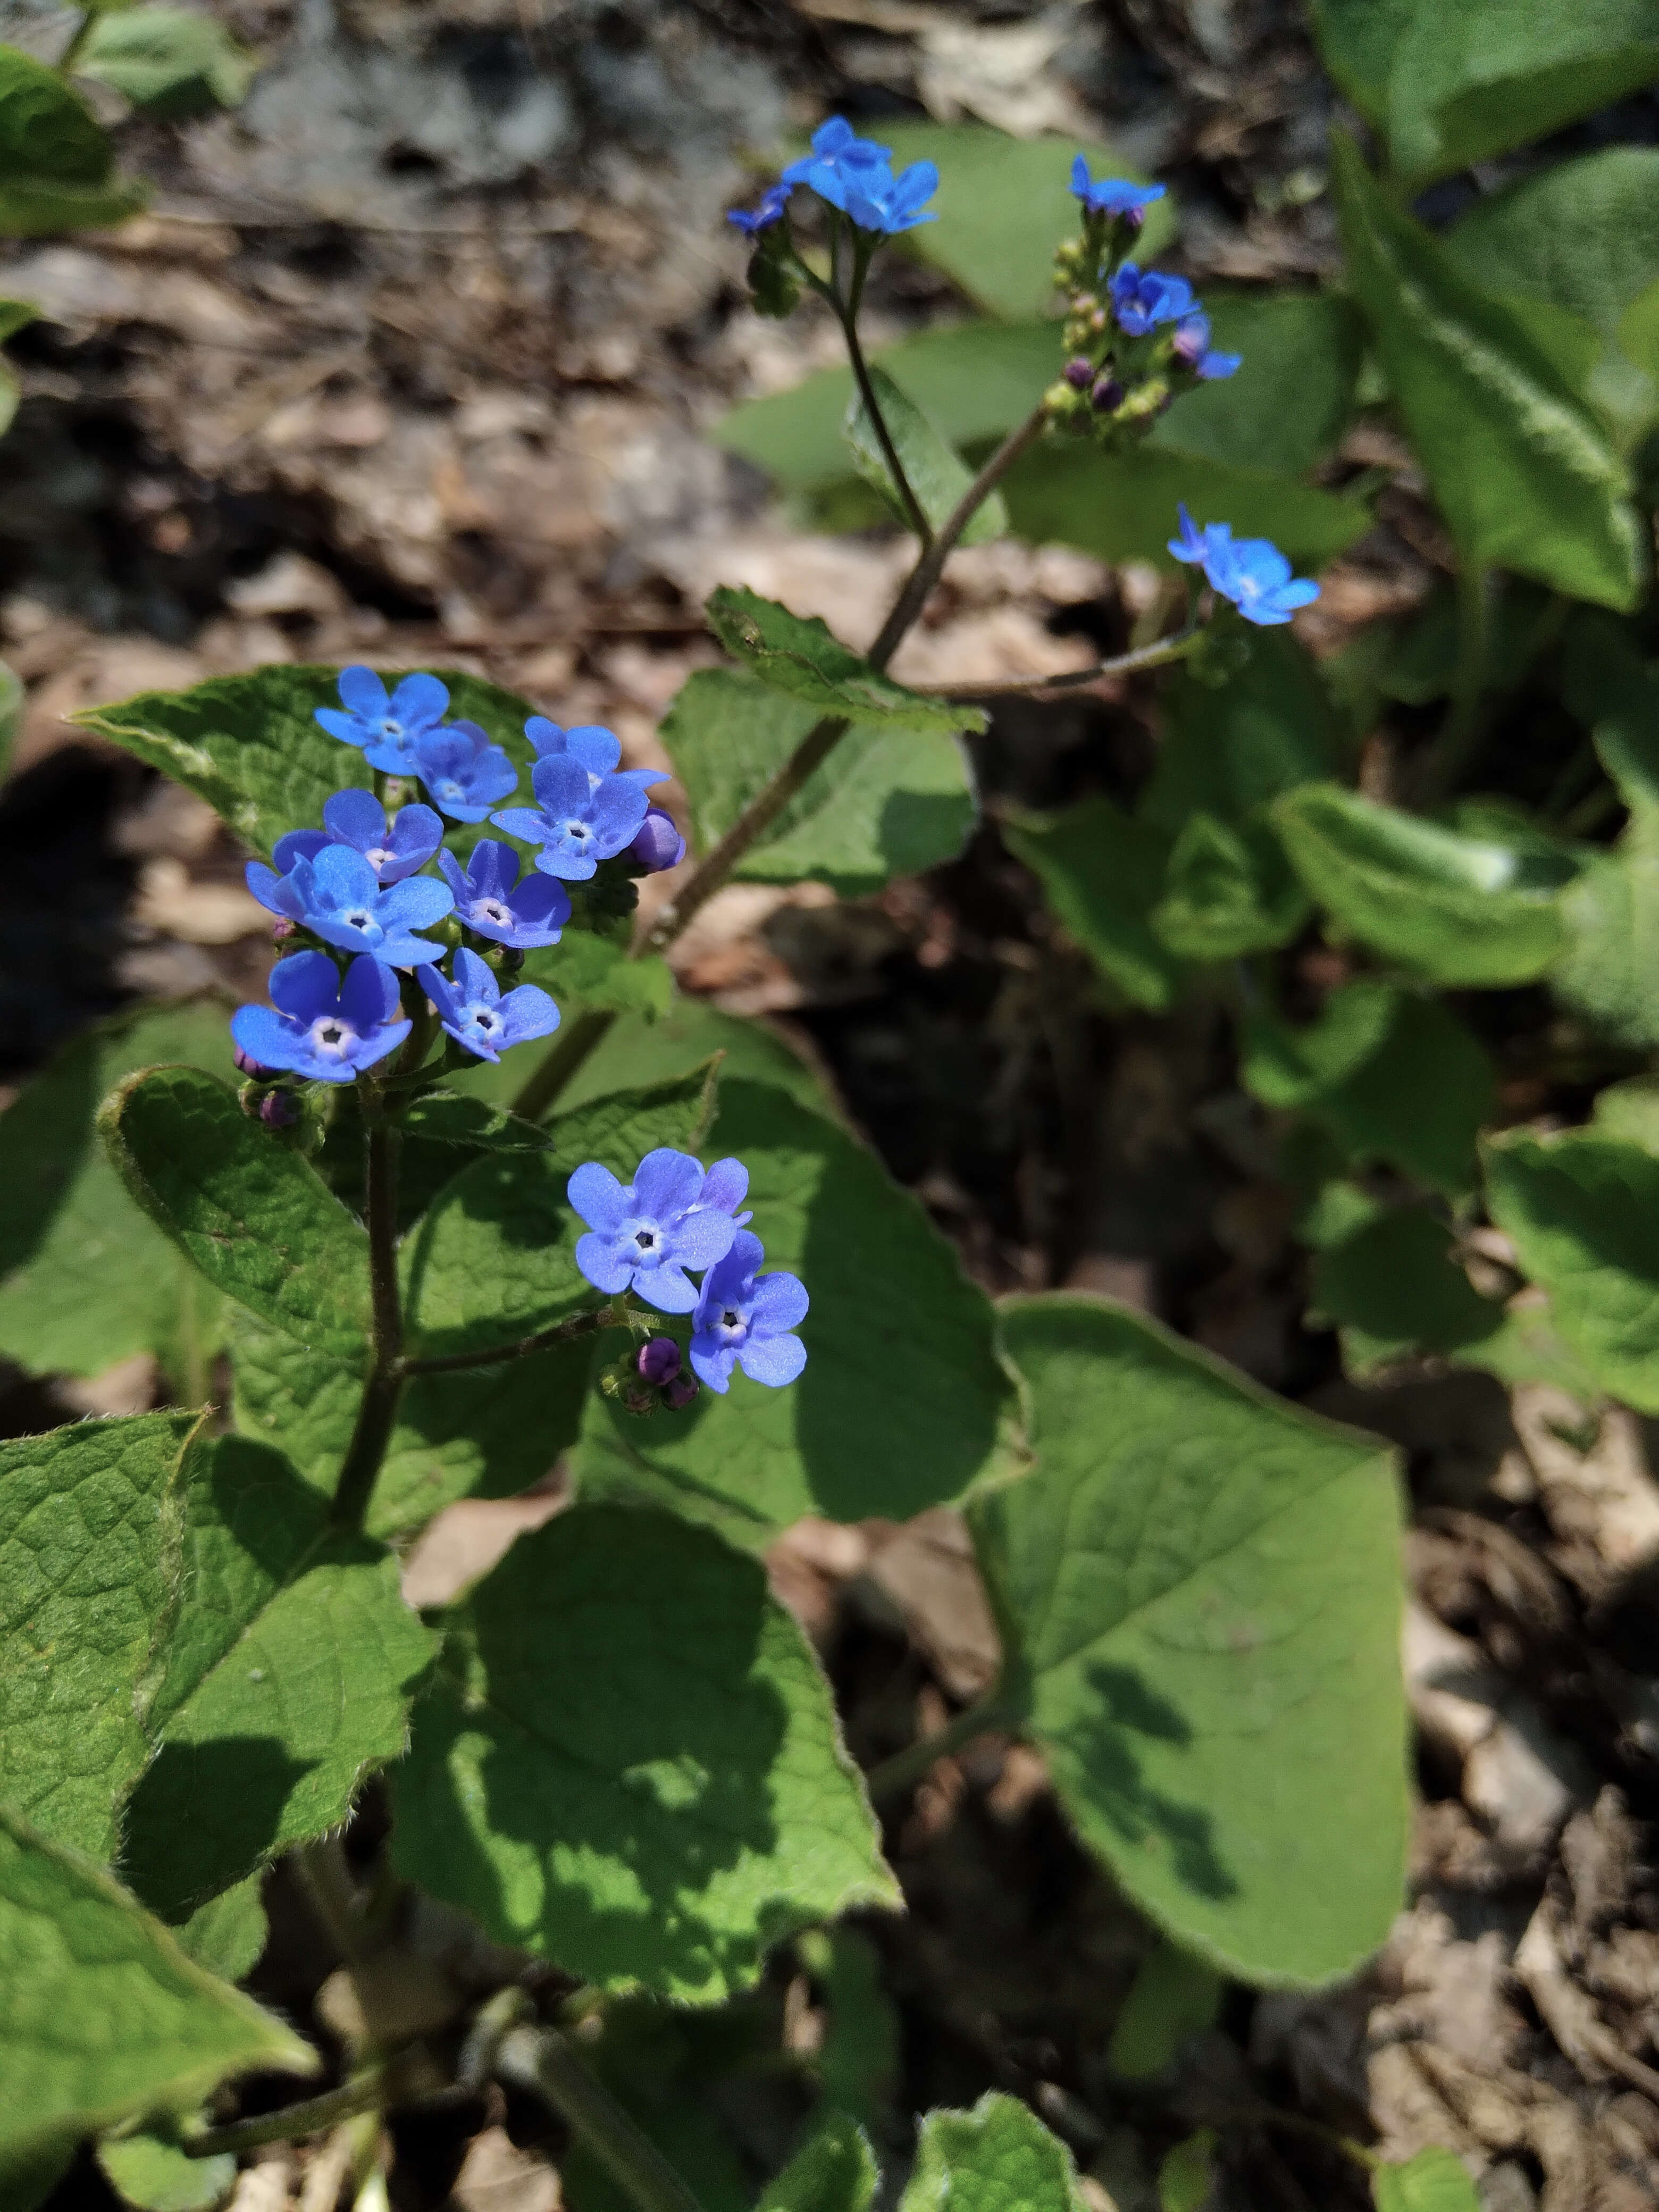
column 564, row 1331
column 893, row 1775
column 378, row 1408
column 567, row 1052
column 363, row 2094
column 1126, row 664
column 914, row 513
column 540, row 2058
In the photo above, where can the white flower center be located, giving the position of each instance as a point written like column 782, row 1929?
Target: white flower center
column 329, row 1034
column 492, row 910
column 377, row 859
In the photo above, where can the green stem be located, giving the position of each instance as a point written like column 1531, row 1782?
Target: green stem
column 1126, row 664
column 377, row 1411
column 540, row 2058
column 364, row 2093
column 564, row 1331
column 76, row 46
column 569, row 1051
column 893, row 1775
column 913, row 507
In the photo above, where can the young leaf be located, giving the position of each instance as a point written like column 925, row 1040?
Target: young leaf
column 167, row 59
column 901, row 1404
column 1173, row 1996
column 256, row 1218
column 85, row 1280
column 288, row 1676
column 1436, row 2180
column 153, row 2175
column 1228, row 891
column 1454, row 908
column 1102, row 872
column 495, row 1258
column 89, row 1569
column 834, row 2171
column 1583, row 234
column 1187, row 2175
column 998, row 2158
column 1005, row 204
column 486, row 1433
column 105, row 2017
column 691, row 1807
column 55, row 162
column 935, row 472
column 228, row 1933
column 1523, row 470
column 1284, row 1066
column 801, row 657
column 1579, row 1208
column 1201, row 1585
column 892, row 801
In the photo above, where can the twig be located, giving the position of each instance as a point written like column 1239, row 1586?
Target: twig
column 540, row 2058
column 1126, row 664
column 893, row 1775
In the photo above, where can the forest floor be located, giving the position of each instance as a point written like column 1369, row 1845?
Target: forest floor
column 414, row 361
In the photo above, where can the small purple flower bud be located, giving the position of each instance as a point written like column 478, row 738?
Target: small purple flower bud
column 279, row 1110
column 677, row 1394
column 659, row 844
column 1107, row 394
column 1080, row 374
column 658, row 1360
column 1133, row 218
column 281, row 930
column 246, row 1065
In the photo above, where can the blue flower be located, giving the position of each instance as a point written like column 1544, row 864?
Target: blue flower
column 337, row 897
column 725, row 1187
column 1252, row 573
column 1140, row 301
column 598, row 749
column 577, row 822
column 743, row 1319
column 1193, row 348
column 878, row 200
column 358, row 819
column 463, row 773
column 1112, row 195
column 659, row 844
column 323, row 1029
column 386, row 729
column 490, row 901
column 773, row 200
column 839, row 157
column 473, row 1012
column 645, row 1233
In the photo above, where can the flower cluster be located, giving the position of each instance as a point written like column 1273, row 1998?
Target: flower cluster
column 676, row 1219
column 1137, row 338
column 854, row 176
column 355, row 886
column 1251, row 572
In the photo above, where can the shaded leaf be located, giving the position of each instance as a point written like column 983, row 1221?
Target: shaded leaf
column 858, row 2060
column 1394, row 1288
column 1286, row 1067
column 1228, row 891
column 255, row 1218
column 1188, row 2174
column 88, row 1572
column 1607, row 975
column 1231, row 749
column 998, row 2158
column 1173, row 1996
column 690, row 1808
column 1103, row 873
column 902, row 1403
column 834, row 2171
column 1522, row 471
column 800, row 656
column 1583, row 234
column 105, row 2017
column 935, row 472
column 168, row 59
column 228, row 1935
column 1308, row 341
column 1202, row 1588
column 55, row 162
column 156, row 2176
column 888, row 801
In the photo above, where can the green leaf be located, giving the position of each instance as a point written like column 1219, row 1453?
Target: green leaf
column 1284, row 1066
column 858, row 2060
column 1453, row 909
column 167, row 59
column 666, row 1827
column 935, row 472
column 1607, row 975
column 801, row 657
column 55, row 161
column 88, row 1568
column 1631, row 1110
column 1357, row 41
column 1613, row 691
column 903, row 1401
column 1121, row 507
column 253, row 1216
column 1436, row 2180
column 1394, row 1288
column 1188, row 2174
column 105, row 2017
column 834, row 2171
column 85, row 1280
column 495, row 1258
column 288, row 1678
column 1310, row 342
column 1102, row 872
column 1004, row 206
column 13, row 697
column 660, row 2060
column 1578, row 1208
column 156, row 2176
column 228, row 1935
column 998, row 2158
column 1523, row 470
column 484, row 1434
column 1231, row 749
column 1173, row 1996
column 248, row 744
column 890, row 801
column 1228, row 891
column 585, row 969
column 1583, row 234
column 1200, row 1591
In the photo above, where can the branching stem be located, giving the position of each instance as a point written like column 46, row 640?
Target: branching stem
column 540, row 2058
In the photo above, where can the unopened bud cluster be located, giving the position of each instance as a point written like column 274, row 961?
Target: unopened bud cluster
column 642, row 1381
